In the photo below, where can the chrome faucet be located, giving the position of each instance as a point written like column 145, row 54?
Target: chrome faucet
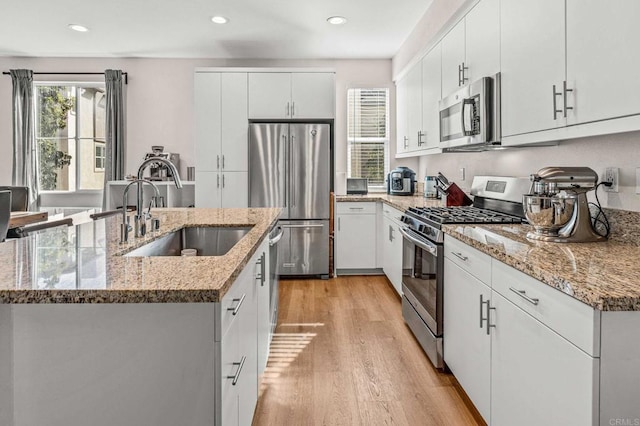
column 140, row 218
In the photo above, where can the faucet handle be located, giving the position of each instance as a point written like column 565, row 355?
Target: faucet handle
column 155, row 224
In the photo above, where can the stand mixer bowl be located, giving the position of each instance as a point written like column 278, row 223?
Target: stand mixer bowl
column 549, row 214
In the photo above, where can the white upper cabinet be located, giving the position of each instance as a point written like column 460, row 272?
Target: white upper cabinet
column 409, row 110
column 313, row 95
column 431, row 95
column 454, row 74
column 533, row 62
column 221, row 121
column 482, row 40
column 282, row 95
column 269, row 95
column 234, row 128
column 603, row 59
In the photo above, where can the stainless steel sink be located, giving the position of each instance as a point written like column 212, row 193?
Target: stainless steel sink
column 209, row 241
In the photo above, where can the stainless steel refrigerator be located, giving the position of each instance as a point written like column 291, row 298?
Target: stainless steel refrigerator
column 289, row 167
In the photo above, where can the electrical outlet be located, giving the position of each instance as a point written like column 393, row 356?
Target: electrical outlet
column 611, row 174
column 637, row 180
column 461, row 173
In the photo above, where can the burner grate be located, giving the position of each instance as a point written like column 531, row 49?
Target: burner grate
column 467, row 214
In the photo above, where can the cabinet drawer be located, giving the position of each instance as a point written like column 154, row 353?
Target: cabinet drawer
column 391, row 213
column 471, row 260
column 570, row 318
column 233, row 303
column 356, row 208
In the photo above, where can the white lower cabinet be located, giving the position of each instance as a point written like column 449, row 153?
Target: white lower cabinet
column 524, row 353
column 355, row 236
column 392, row 246
column 537, row 376
column 467, row 347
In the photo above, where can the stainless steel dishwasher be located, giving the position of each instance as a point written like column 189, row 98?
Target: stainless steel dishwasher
column 274, row 237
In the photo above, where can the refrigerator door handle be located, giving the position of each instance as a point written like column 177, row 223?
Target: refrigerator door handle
column 287, row 168
column 302, row 226
column 292, row 138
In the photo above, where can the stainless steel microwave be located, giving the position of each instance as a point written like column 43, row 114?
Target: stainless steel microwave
column 470, row 117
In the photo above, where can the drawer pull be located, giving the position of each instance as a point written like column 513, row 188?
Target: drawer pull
column 237, row 308
column 460, row 256
column 236, row 376
column 523, row 294
column 356, row 208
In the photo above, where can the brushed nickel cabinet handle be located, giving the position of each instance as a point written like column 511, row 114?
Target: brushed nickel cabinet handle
column 523, row 294
column 489, row 325
column 218, row 162
column 237, row 308
column 555, row 103
column 218, row 179
column 460, row 256
column 406, row 142
column 287, row 109
column 293, row 109
column 482, row 303
column 564, row 97
column 236, row 376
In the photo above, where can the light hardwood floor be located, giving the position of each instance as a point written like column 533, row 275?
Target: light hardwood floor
column 342, row 355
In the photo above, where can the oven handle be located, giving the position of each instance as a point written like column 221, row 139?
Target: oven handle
column 423, row 245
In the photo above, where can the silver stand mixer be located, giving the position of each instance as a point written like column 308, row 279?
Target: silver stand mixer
column 557, row 205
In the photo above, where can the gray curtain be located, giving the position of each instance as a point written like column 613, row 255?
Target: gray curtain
column 115, row 128
column 25, row 148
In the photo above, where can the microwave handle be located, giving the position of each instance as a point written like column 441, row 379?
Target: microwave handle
column 465, row 132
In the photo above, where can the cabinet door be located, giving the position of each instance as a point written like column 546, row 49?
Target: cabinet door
column 208, row 113
column 431, row 95
column 467, row 347
column 453, row 58
column 356, row 241
column 537, row 377
column 602, row 58
column 207, row 189
column 313, row 95
column 263, row 315
column 482, row 35
column 402, row 108
column 533, row 60
column 270, row 95
column 234, row 122
column 392, row 253
column 414, row 106
column 229, row 362
column 235, row 189
column 247, row 385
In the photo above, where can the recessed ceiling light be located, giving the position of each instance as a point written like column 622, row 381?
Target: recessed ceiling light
column 219, row 20
column 78, row 27
column 337, row 20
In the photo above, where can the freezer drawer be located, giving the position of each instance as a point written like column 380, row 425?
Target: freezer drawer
column 304, row 248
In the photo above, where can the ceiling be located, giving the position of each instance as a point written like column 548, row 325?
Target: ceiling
column 280, row 29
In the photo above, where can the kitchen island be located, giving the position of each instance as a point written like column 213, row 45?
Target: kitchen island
column 90, row 336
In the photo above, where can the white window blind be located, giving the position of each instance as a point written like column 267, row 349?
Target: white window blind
column 368, row 134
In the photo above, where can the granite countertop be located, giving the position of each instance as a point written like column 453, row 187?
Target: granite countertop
column 603, row 275
column 85, row 263
column 399, row 202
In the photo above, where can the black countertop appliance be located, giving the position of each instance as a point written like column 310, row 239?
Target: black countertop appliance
column 401, row 181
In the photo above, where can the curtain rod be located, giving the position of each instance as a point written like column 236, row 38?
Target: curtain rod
column 126, row 77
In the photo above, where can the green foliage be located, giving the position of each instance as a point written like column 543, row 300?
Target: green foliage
column 53, row 110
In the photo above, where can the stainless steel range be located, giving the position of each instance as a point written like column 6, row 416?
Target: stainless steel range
column 497, row 200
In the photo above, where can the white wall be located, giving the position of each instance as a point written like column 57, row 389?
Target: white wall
column 619, row 150
column 160, row 100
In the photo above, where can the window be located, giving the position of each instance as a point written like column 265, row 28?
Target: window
column 70, row 130
column 100, row 156
column 368, row 135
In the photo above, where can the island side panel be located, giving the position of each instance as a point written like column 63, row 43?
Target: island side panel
column 620, row 368
column 6, row 366
column 114, row 364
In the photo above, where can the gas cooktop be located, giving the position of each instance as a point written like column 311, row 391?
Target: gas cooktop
column 467, row 214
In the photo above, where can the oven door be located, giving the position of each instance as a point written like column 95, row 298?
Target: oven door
column 423, row 263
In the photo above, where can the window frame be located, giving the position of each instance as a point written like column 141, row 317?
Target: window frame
column 385, row 141
column 58, row 193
